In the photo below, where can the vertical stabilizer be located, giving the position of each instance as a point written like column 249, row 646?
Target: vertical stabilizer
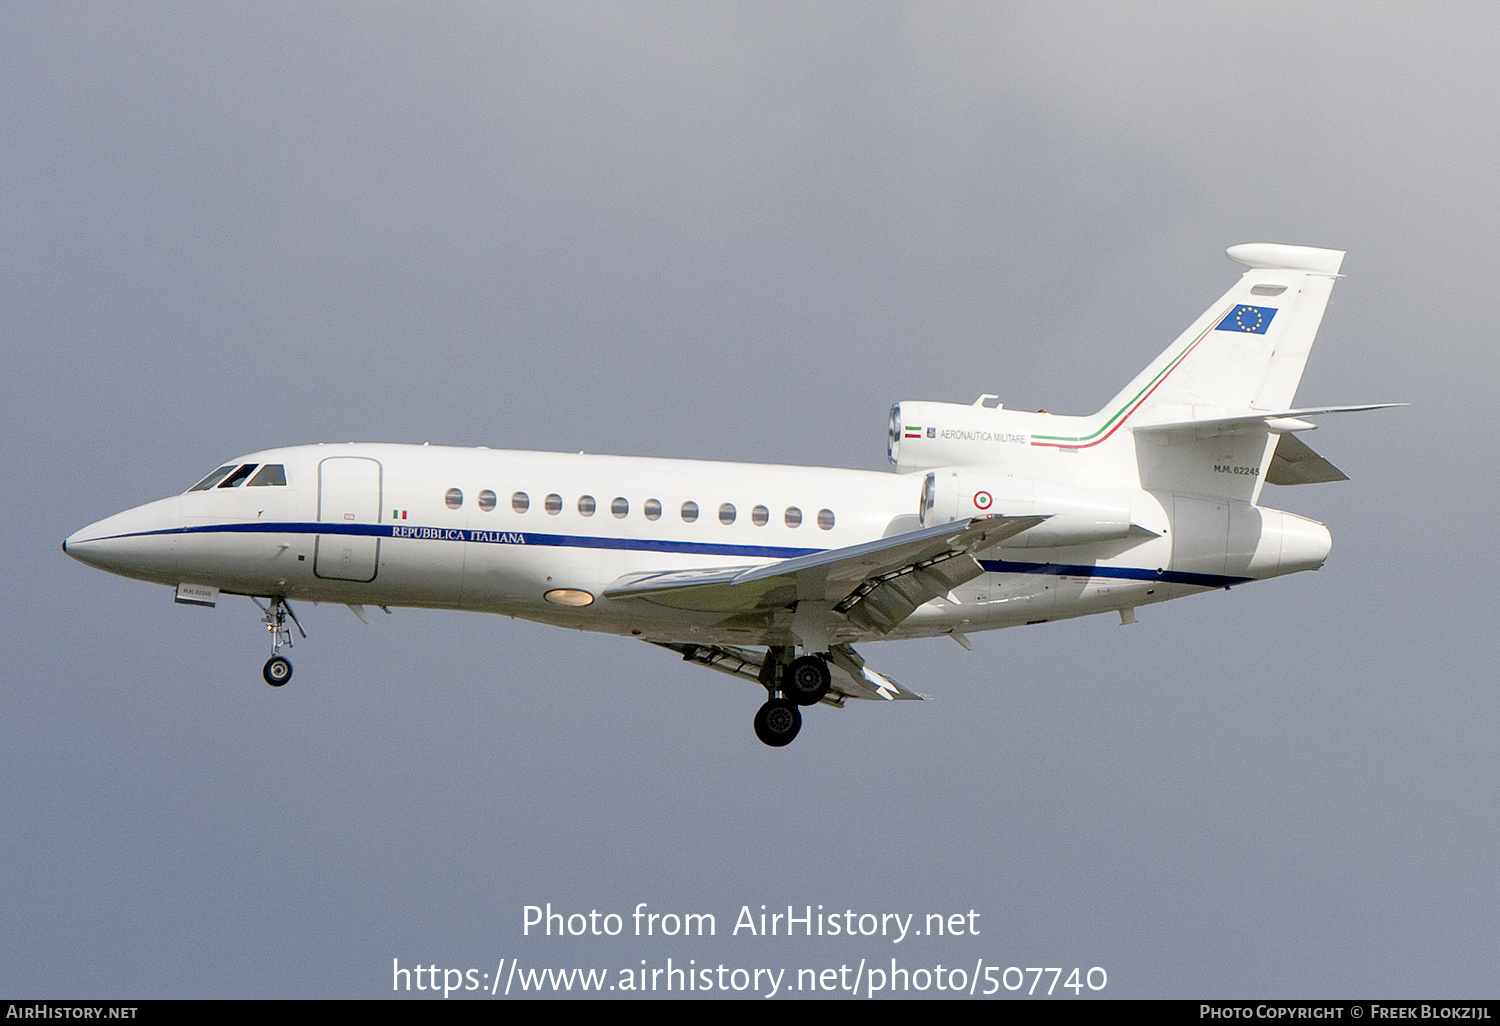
column 1244, row 355
column 1247, row 351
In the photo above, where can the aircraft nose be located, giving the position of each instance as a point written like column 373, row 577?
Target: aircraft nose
column 140, row 542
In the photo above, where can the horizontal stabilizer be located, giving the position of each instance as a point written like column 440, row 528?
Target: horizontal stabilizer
column 1295, row 463
column 1275, row 421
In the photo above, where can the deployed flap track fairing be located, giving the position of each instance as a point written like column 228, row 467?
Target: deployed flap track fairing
column 994, row 518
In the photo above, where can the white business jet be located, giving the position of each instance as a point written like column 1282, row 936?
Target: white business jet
column 993, row 518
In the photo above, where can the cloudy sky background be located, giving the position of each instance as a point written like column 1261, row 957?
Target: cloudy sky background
column 738, row 232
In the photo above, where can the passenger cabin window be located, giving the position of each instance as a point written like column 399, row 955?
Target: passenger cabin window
column 454, row 498
column 553, row 504
column 726, row 513
column 825, row 519
column 238, row 477
column 620, row 507
column 689, row 511
column 212, row 479
column 586, row 505
column 520, row 502
column 486, row 500
column 652, row 509
column 793, row 516
column 270, row 474
column 760, row 516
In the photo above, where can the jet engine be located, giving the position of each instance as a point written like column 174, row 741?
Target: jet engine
column 1075, row 516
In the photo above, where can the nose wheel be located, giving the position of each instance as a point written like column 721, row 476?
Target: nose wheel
column 278, row 669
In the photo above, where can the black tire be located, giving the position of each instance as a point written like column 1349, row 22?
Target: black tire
column 806, row 680
column 277, row 671
column 777, row 722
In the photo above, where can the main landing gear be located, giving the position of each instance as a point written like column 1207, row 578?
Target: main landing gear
column 806, row 680
column 790, row 684
column 777, row 722
column 278, row 669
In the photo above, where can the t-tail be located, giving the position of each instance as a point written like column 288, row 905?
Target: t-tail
column 1194, row 438
column 1213, row 414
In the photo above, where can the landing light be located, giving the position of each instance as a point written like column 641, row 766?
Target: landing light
column 569, row 597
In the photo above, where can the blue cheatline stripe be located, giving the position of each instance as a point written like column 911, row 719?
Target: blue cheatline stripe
column 460, row 534
column 1128, row 573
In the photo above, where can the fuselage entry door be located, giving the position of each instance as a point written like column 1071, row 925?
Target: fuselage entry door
column 349, row 496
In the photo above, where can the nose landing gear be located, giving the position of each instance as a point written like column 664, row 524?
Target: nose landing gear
column 278, row 669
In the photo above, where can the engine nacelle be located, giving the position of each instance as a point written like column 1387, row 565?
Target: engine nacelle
column 1075, row 516
column 1289, row 543
column 924, row 435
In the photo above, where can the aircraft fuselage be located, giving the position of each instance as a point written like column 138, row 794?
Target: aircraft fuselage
column 451, row 528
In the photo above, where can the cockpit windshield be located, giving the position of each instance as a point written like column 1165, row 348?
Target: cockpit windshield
column 238, row 477
column 212, row 479
column 232, row 477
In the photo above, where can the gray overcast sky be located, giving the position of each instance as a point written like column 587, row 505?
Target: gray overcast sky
column 737, row 232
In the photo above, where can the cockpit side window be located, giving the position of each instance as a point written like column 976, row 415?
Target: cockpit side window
column 212, row 479
column 238, row 477
column 270, row 474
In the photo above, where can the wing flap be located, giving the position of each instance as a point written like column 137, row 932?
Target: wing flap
column 884, row 602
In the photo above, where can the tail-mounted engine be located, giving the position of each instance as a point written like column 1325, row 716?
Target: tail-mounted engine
column 1075, row 516
column 927, row 434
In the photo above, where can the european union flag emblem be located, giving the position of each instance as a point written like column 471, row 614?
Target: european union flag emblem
column 1254, row 319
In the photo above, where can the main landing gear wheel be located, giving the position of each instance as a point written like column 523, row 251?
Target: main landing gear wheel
column 277, row 671
column 806, row 680
column 777, row 722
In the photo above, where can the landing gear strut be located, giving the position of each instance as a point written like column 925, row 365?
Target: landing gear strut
column 278, row 669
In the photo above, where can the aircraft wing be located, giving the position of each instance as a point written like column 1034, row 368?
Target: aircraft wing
column 848, row 674
column 877, row 584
